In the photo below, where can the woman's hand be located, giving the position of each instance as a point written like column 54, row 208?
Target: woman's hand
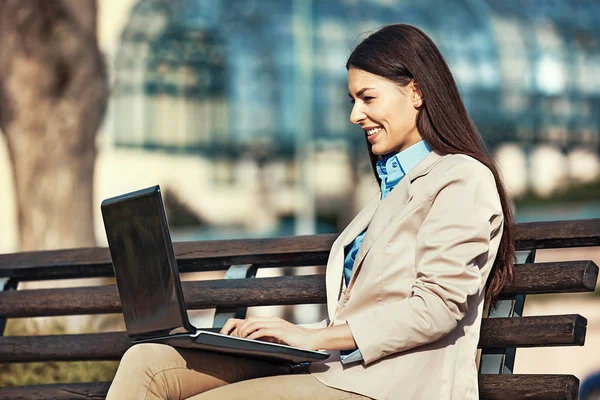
column 272, row 329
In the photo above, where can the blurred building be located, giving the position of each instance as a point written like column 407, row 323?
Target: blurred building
column 257, row 90
column 221, row 77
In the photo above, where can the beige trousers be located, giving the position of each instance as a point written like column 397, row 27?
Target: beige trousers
column 156, row 371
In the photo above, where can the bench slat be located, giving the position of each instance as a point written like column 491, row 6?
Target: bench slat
column 213, row 255
column 306, row 289
column 491, row 387
column 572, row 276
column 522, row 386
column 557, row 234
column 553, row 330
column 287, row 251
column 73, row 347
column 58, row 391
column 553, row 277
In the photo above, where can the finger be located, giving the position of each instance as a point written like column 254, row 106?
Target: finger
column 268, row 333
column 230, row 325
column 245, row 327
column 248, row 328
column 236, row 330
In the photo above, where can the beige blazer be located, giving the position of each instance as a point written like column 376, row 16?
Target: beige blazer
column 415, row 299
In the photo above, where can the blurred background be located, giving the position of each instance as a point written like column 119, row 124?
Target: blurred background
column 239, row 110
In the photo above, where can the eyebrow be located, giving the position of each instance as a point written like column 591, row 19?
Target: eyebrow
column 360, row 92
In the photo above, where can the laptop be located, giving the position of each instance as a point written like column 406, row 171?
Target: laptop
column 150, row 290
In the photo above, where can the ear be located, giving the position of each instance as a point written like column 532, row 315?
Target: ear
column 415, row 93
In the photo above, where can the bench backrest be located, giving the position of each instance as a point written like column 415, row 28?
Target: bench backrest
column 497, row 335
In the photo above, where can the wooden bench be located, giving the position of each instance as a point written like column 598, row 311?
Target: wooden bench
column 499, row 335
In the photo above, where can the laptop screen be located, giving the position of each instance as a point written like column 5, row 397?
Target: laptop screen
column 144, row 263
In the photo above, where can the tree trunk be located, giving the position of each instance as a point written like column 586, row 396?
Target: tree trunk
column 53, row 93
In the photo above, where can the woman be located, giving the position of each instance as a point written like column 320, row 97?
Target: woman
column 406, row 280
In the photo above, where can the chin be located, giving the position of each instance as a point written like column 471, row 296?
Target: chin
column 378, row 151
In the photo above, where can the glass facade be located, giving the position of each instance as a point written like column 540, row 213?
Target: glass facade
column 225, row 77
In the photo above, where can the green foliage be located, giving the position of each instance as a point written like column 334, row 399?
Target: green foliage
column 35, row 373
column 56, row 372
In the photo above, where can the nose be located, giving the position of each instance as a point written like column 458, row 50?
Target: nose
column 357, row 114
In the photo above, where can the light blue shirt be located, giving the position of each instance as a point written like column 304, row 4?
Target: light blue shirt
column 391, row 169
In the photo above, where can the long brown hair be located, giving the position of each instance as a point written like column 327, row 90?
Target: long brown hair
column 402, row 53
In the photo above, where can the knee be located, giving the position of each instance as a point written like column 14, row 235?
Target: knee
column 141, row 356
column 137, row 369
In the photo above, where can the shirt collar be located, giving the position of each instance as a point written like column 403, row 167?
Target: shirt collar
column 405, row 160
column 392, row 167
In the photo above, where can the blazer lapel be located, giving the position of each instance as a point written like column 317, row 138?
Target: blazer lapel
column 393, row 203
column 423, row 168
column 393, row 207
column 335, row 264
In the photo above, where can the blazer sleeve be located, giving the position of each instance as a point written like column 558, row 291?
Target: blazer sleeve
column 452, row 246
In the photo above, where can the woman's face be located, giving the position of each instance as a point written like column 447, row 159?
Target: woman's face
column 386, row 111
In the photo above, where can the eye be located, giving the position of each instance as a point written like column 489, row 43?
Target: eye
column 352, row 101
column 368, row 99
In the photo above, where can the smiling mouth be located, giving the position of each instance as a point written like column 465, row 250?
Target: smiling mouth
column 373, row 131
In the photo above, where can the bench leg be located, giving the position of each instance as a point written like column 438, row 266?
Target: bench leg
column 5, row 285
column 222, row 314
